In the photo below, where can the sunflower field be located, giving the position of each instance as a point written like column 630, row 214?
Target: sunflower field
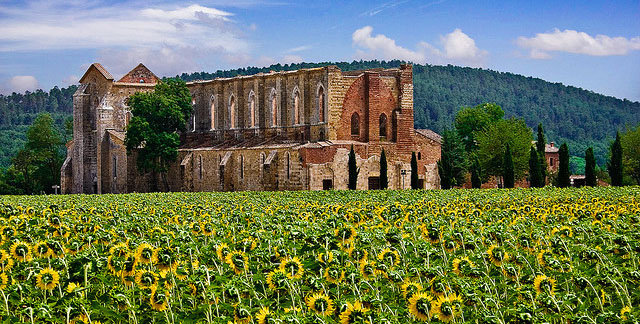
column 454, row 256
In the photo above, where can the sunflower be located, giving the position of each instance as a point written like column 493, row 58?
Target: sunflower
column 409, row 288
column 276, row 280
column 624, row 311
column 563, row 231
column 358, row 253
column 222, row 250
column 6, row 262
column 144, row 253
column 446, row 308
column 4, row 280
column 21, row 251
column 72, row 287
column 420, row 306
column 181, row 271
column 264, row 316
column 42, row 250
column 292, row 267
column 47, row 279
column 345, row 233
column 159, row 300
column 333, row 274
column 367, row 269
column 542, row 283
column 196, row 228
column 497, row 255
column 165, row 258
column 392, row 256
column 544, row 257
column 354, row 313
column 129, row 265
column 463, row 266
column 119, row 250
column 238, row 261
column 146, row 279
column 321, row 304
column 115, row 265
column 241, row 315
column 207, row 228
column 325, row 258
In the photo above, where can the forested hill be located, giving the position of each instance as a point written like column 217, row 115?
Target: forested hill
column 579, row 117
column 569, row 114
column 19, row 110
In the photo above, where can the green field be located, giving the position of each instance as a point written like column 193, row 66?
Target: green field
column 458, row 256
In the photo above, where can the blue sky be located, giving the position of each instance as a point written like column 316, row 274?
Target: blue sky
column 590, row 44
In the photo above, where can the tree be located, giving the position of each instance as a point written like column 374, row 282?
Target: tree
column 590, row 168
column 631, row 152
column 564, row 174
column 353, row 170
column 152, row 133
column 541, row 149
column 476, row 174
column 452, row 165
column 508, row 174
column 491, row 146
column 471, row 120
column 384, row 181
column 414, row 171
column 535, row 173
column 615, row 163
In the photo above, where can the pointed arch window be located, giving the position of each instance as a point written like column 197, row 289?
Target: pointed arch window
column 288, row 165
column 274, row 108
column 355, row 124
column 321, row 104
column 232, row 112
column 297, row 114
column 241, row 166
column 252, row 110
column 212, row 112
column 383, row 125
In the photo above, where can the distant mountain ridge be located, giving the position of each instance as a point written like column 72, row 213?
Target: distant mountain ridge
column 569, row 114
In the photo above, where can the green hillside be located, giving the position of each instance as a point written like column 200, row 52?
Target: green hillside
column 579, row 117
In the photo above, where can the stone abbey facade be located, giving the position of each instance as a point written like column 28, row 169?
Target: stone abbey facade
column 270, row 131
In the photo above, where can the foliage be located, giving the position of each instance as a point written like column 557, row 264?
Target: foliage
column 615, row 163
column 158, row 116
column 508, row 172
column 491, row 147
column 541, row 149
column 384, row 180
column 535, row 173
column 353, row 170
column 631, row 152
column 19, row 110
column 577, row 165
column 414, row 172
column 471, row 120
column 546, row 255
column 476, row 173
column 564, row 173
column 590, row 168
column 452, row 164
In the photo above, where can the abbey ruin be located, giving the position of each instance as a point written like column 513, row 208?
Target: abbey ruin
column 275, row 131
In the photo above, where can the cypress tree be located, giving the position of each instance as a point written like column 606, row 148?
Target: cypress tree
column 508, row 173
column 590, row 168
column 540, row 148
column 384, row 181
column 476, row 174
column 615, row 164
column 445, row 181
column 563, row 169
column 353, row 170
column 414, row 171
column 535, row 175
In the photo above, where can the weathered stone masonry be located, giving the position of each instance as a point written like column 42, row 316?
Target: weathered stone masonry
column 276, row 131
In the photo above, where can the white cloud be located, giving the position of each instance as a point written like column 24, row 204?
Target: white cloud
column 81, row 26
column 457, row 48
column 22, row 83
column 298, row 49
column 572, row 41
column 381, row 46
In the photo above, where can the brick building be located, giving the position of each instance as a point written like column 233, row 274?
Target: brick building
column 275, row 131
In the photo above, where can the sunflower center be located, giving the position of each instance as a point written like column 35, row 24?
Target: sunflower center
column 321, row 304
column 422, row 305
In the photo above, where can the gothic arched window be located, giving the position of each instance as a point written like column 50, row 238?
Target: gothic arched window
column 321, row 104
column 355, row 124
column 232, row 112
column 252, row 110
column 383, row 125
